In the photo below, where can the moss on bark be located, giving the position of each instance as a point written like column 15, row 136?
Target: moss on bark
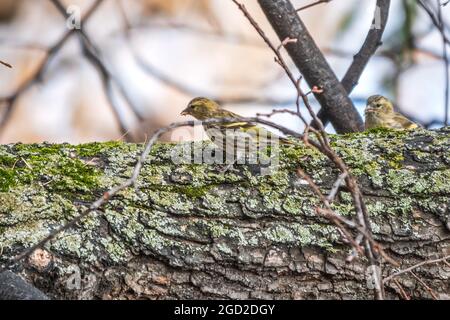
column 192, row 219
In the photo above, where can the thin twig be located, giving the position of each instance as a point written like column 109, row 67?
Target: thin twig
column 432, row 293
column 9, row 102
column 396, row 274
column 313, row 4
column 336, row 186
column 5, row 64
column 402, row 291
column 368, row 49
column 92, row 53
column 446, row 65
column 371, row 247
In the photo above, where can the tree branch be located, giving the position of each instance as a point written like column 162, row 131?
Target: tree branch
column 368, row 49
column 312, row 65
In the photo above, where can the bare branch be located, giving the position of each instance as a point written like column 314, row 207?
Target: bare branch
column 10, row 101
column 396, row 274
column 313, row 4
column 312, row 65
column 92, row 53
column 5, row 64
column 368, row 49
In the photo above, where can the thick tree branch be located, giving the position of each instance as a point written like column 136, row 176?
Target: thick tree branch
column 188, row 231
column 368, row 49
column 312, row 64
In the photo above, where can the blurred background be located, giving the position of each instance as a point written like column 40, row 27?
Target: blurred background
column 156, row 55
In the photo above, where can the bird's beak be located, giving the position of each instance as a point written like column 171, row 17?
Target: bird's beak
column 184, row 112
column 368, row 110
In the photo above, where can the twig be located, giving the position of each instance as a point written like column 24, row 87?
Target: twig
column 446, row 65
column 183, row 87
column 432, row 293
column 5, row 64
column 336, row 186
column 435, row 20
column 312, row 4
column 10, row 101
column 371, row 247
column 396, row 274
column 368, row 49
column 92, row 53
column 402, row 291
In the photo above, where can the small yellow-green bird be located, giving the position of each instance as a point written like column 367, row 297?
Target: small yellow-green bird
column 238, row 131
column 380, row 113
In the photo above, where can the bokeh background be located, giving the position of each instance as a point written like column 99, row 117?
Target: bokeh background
column 162, row 53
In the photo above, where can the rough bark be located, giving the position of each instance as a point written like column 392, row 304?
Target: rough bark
column 312, row 65
column 188, row 231
column 368, row 49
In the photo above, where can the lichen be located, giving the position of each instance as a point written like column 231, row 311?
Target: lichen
column 181, row 210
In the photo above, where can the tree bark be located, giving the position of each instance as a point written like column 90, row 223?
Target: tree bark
column 189, row 231
column 313, row 66
column 362, row 58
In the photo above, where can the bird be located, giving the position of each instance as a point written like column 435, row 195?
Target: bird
column 234, row 137
column 380, row 113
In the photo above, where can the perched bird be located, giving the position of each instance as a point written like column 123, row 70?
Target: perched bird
column 239, row 139
column 204, row 109
column 380, row 113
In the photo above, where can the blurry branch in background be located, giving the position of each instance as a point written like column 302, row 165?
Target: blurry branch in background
column 446, row 65
column 5, row 64
column 313, row 5
column 312, row 65
column 368, row 49
column 438, row 21
column 8, row 103
column 201, row 31
column 182, row 86
column 434, row 16
column 108, row 79
column 447, row 71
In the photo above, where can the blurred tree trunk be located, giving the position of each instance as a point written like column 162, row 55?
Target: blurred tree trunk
column 8, row 9
column 188, row 231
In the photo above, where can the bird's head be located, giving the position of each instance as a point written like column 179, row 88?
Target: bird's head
column 379, row 105
column 201, row 108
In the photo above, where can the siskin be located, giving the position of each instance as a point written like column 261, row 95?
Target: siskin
column 380, row 113
column 237, row 135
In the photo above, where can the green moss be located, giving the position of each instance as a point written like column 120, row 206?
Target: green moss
column 45, row 164
column 74, row 175
column 44, row 149
column 7, row 179
column 164, row 213
column 96, row 148
column 189, row 191
column 375, row 133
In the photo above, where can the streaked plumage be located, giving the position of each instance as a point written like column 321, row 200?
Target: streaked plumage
column 380, row 113
column 236, row 134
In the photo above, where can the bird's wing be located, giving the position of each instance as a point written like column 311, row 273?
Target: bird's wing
column 248, row 129
column 404, row 122
column 222, row 113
